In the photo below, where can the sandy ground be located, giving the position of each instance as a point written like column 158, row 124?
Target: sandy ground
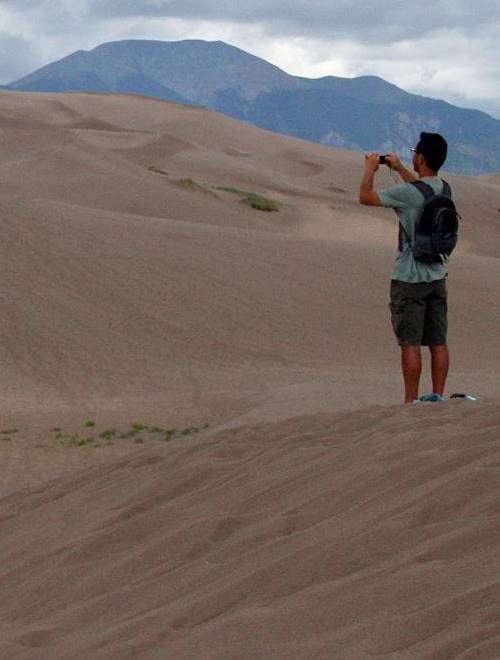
column 203, row 452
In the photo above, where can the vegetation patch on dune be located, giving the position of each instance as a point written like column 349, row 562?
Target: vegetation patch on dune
column 157, row 170
column 197, row 187
column 136, row 431
column 74, row 439
column 253, row 199
column 256, row 201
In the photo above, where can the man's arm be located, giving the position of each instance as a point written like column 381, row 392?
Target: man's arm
column 367, row 195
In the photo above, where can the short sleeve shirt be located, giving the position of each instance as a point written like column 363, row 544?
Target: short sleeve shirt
column 407, row 201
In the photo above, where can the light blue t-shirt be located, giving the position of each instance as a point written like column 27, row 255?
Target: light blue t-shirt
column 408, row 201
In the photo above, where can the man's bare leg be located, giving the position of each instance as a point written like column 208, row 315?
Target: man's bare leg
column 440, row 363
column 411, row 364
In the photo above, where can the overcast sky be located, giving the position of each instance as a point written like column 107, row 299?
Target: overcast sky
column 448, row 49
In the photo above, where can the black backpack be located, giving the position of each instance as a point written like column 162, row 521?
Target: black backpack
column 436, row 230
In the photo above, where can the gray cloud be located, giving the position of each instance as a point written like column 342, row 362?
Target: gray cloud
column 391, row 19
column 49, row 17
column 16, row 56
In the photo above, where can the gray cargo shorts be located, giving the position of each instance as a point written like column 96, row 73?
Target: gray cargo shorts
column 419, row 312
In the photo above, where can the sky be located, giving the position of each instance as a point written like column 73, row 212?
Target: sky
column 446, row 49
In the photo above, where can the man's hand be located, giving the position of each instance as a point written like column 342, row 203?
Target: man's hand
column 395, row 164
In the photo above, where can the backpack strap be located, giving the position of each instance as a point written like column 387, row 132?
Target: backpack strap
column 446, row 189
column 426, row 190
column 402, row 231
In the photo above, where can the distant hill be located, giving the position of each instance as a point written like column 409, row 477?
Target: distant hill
column 365, row 113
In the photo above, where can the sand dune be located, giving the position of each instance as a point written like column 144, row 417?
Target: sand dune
column 115, row 274
column 314, row 517
column 356, row 536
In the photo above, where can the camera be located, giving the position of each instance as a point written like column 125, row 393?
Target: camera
column 382, row 159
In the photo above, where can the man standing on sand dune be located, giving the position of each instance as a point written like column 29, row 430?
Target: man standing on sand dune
column 418, row 290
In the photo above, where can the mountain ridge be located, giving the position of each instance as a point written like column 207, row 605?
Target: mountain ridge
column 364, row 113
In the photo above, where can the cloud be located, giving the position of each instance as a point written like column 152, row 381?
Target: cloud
column 25, row 56
column 46, row 18
column 391, row 19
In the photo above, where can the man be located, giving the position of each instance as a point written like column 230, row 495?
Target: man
column 418, row 291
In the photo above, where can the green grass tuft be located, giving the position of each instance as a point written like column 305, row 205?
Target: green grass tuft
column 138, row 426
column 197, row 187
column 74, row 440
column 135, row 432
column 253, row 199
column 156, row 429
column 107, row 434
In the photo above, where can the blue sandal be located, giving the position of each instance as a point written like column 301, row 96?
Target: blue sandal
column 433, row 398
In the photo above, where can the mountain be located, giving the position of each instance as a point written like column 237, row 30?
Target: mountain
column 365, row 113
